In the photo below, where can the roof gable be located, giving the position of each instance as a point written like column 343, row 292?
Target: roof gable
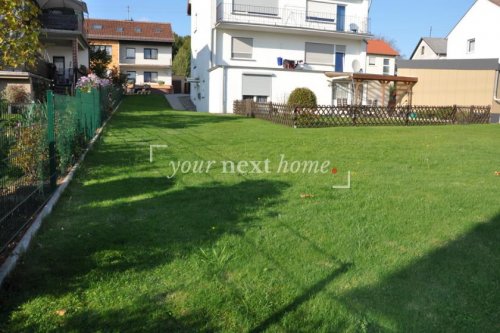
column 437, row 45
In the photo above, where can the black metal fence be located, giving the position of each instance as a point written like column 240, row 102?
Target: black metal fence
column 38, row 144
column 334, row 116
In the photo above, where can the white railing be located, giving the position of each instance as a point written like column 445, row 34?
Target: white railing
column 291, row 17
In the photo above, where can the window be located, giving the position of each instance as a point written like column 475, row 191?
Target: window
column 130, row 53
column 158, row 30
column 372, row 61
column 387, row 66
column 97, row 26
column 319, row 54
column 150, row 53
column 321, row 11
column 422, row 50
column 261, row 7
column 119, row 29
column 256, row 87
column 471, row 45
column 138, row 30
column 150, row 77
column 107, row 48
column 131, row 75
column 242, row 48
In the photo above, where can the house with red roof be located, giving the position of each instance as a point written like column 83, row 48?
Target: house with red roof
column 142, row 50
column 380, row 58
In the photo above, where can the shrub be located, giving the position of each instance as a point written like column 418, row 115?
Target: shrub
column 16, row 94
column 28, row 153
column 303, row 97
column 161, row 83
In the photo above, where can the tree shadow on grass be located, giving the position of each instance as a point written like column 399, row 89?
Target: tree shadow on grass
column 130, row 225
column 172, row 120
column 454, row 289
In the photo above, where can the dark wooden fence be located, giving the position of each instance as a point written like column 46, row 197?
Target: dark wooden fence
column 333, row 116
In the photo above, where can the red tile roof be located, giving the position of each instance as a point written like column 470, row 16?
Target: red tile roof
column 129, row 30
column 377, row 46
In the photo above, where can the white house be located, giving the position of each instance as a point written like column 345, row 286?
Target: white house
column 477, row 34
column 263, row 49
column 429, row 48
column 381, row 58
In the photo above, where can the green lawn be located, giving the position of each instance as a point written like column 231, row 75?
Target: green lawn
column 414, row 246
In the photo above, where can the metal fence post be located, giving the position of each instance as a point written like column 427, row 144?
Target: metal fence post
column 51, row 119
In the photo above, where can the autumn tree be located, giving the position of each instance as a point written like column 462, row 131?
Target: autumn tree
column 19, row 33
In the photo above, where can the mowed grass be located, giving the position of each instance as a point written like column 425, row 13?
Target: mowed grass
column 414, row 246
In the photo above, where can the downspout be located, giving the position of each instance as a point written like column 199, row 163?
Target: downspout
column 224, row 89
column 212, row 53
column 495, row 93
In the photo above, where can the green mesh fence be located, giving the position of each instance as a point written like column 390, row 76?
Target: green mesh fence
column 24, row 166
column 38, row 145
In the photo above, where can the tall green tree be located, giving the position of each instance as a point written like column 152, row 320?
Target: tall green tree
column 181, row 64
column 178, row 43
column 19, row 33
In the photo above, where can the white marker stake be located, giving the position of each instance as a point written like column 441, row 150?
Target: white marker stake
column 151, row 151
column 346, row 187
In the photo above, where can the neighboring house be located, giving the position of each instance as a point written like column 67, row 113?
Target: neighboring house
column 477, row 34
column 263, row 49
column 470, row 74
column 64, row 49
column 143, row 50
column 381, row 58
column 429, row 48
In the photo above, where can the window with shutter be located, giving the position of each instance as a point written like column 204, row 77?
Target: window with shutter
column 321, row 11
column 263, row 7
column 319, row 54
column 242, row 48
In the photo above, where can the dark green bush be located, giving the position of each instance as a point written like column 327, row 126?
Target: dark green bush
column 303, row 97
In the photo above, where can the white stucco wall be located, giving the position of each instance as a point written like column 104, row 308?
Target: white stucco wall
column 482, row 23
column 283, row 83
column 378, row 68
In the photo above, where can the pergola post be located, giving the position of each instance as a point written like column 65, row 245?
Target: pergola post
column 358, row 100
column 383, row 85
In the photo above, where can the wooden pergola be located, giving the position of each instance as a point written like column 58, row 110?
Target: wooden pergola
column 360, row 78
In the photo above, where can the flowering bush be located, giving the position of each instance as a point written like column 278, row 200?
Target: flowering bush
column 86, row 83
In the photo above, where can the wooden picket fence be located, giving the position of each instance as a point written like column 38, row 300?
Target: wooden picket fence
column 334, row 116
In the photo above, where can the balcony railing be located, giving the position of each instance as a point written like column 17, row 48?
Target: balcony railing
column 61, row 22
column 291, row 17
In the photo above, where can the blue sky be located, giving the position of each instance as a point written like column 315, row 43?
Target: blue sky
column 404, row 21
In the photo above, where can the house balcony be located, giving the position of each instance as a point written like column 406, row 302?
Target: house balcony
column 291, row 18
column 62, row 22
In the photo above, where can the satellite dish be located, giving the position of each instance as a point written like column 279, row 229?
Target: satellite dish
column 356, row 66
